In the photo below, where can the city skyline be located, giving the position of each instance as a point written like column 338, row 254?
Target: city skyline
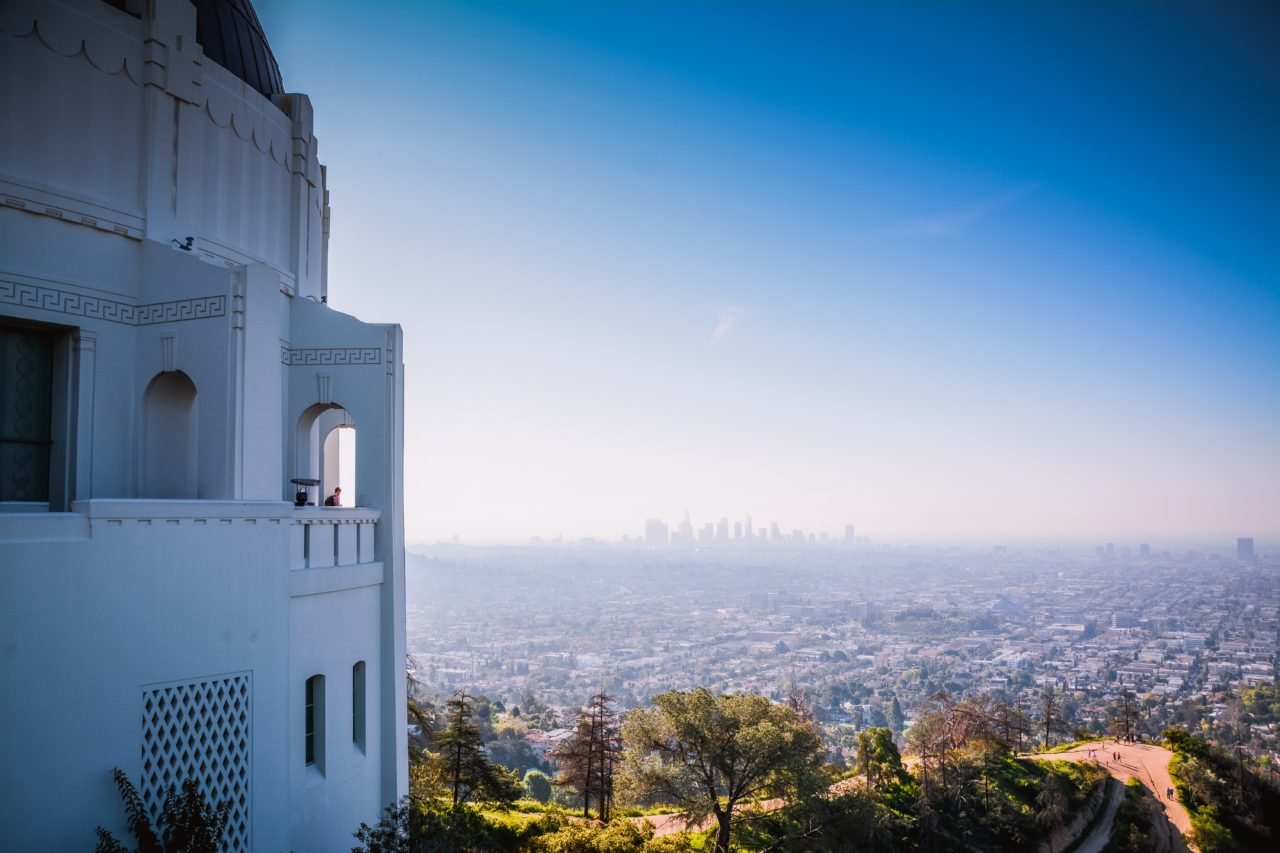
column 687, row 534
column 992, row 272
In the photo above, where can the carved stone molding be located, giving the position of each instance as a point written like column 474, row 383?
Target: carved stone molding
column 330, row 356
column 70, row 33
column 169, row 353
column 111, row 310
column 85, row 340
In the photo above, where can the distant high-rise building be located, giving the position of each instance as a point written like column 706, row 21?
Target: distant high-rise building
column 774, row 533
column 722, row 530
column 750, row 532
column 737, row 530
column 1144, row 550
column 1244, row 548
column 706, row 534
column 1111, row 549
column 656, row 533
column 686, row 530
column 848, row 534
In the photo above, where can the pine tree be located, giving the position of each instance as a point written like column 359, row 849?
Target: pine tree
column 588, row 757
column 1126, row 715
column 897, row 720
column 463, row 767
column 1050, row 713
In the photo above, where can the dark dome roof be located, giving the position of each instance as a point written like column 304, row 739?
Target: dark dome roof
column 231, row 35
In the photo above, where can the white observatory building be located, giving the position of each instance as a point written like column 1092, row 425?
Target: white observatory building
column 168, row 367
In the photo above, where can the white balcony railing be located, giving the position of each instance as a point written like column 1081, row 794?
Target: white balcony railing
column 323, row 537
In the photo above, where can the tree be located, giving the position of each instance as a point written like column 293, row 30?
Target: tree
column 1052, row 801
column 853, row 820
column 537, row 786
column 710, row 754
column 1011, row 723
column 1050, row 713
column 897, row 720
column 588, row 757
column 1125, row 715
column 187, row 823
column 878, row 756
column 462, row 766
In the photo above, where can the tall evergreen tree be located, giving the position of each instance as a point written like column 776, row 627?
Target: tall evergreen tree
column 1125, row 715
column 464, row 768
column 878, row 756
column 1050, row 713
column 588, row 757
column 897, row 719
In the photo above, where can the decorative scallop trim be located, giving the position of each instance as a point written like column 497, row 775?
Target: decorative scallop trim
column 247, row 123
column 68, row 34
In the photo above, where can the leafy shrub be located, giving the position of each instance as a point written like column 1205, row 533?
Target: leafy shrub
column 187, row 823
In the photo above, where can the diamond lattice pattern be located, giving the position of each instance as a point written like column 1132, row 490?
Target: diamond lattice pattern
column 200, row 730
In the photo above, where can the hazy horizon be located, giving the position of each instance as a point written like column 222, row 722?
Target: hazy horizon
column 1178, row 546
column 983, row 272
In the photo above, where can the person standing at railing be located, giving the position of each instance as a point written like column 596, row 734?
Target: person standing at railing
column 334, row 499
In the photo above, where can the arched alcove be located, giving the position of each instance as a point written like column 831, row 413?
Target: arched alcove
column 325, row 450
column 338, row 467
column 169, row 437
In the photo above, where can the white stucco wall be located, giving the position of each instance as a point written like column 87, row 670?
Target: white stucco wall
column 119, row 137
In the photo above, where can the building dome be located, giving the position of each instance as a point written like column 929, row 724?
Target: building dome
column 232, row 36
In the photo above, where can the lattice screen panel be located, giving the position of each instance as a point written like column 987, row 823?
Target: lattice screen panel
column 200, row 730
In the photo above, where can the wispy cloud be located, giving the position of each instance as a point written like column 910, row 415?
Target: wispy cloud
column 725, row 324
column 948, row 223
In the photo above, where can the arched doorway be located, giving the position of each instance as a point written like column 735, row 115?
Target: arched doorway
column 325, row 444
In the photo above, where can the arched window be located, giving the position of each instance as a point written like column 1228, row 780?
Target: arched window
column 169, row 437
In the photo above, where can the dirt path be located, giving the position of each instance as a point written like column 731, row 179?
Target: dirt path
column 1097, row 840
column 1148, row 764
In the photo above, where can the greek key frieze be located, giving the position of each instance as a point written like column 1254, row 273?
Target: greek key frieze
column 200, row 308
column 330, row 356
column 113, row 311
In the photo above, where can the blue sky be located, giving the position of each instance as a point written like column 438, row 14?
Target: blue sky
column 954, row 270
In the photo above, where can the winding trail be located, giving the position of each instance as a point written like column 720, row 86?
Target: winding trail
column 1148, row 764
column 1144, row 762
column 1096, row 840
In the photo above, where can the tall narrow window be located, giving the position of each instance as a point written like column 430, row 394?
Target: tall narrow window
column 26, row 388
column 314, row 722
column 357, row 705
